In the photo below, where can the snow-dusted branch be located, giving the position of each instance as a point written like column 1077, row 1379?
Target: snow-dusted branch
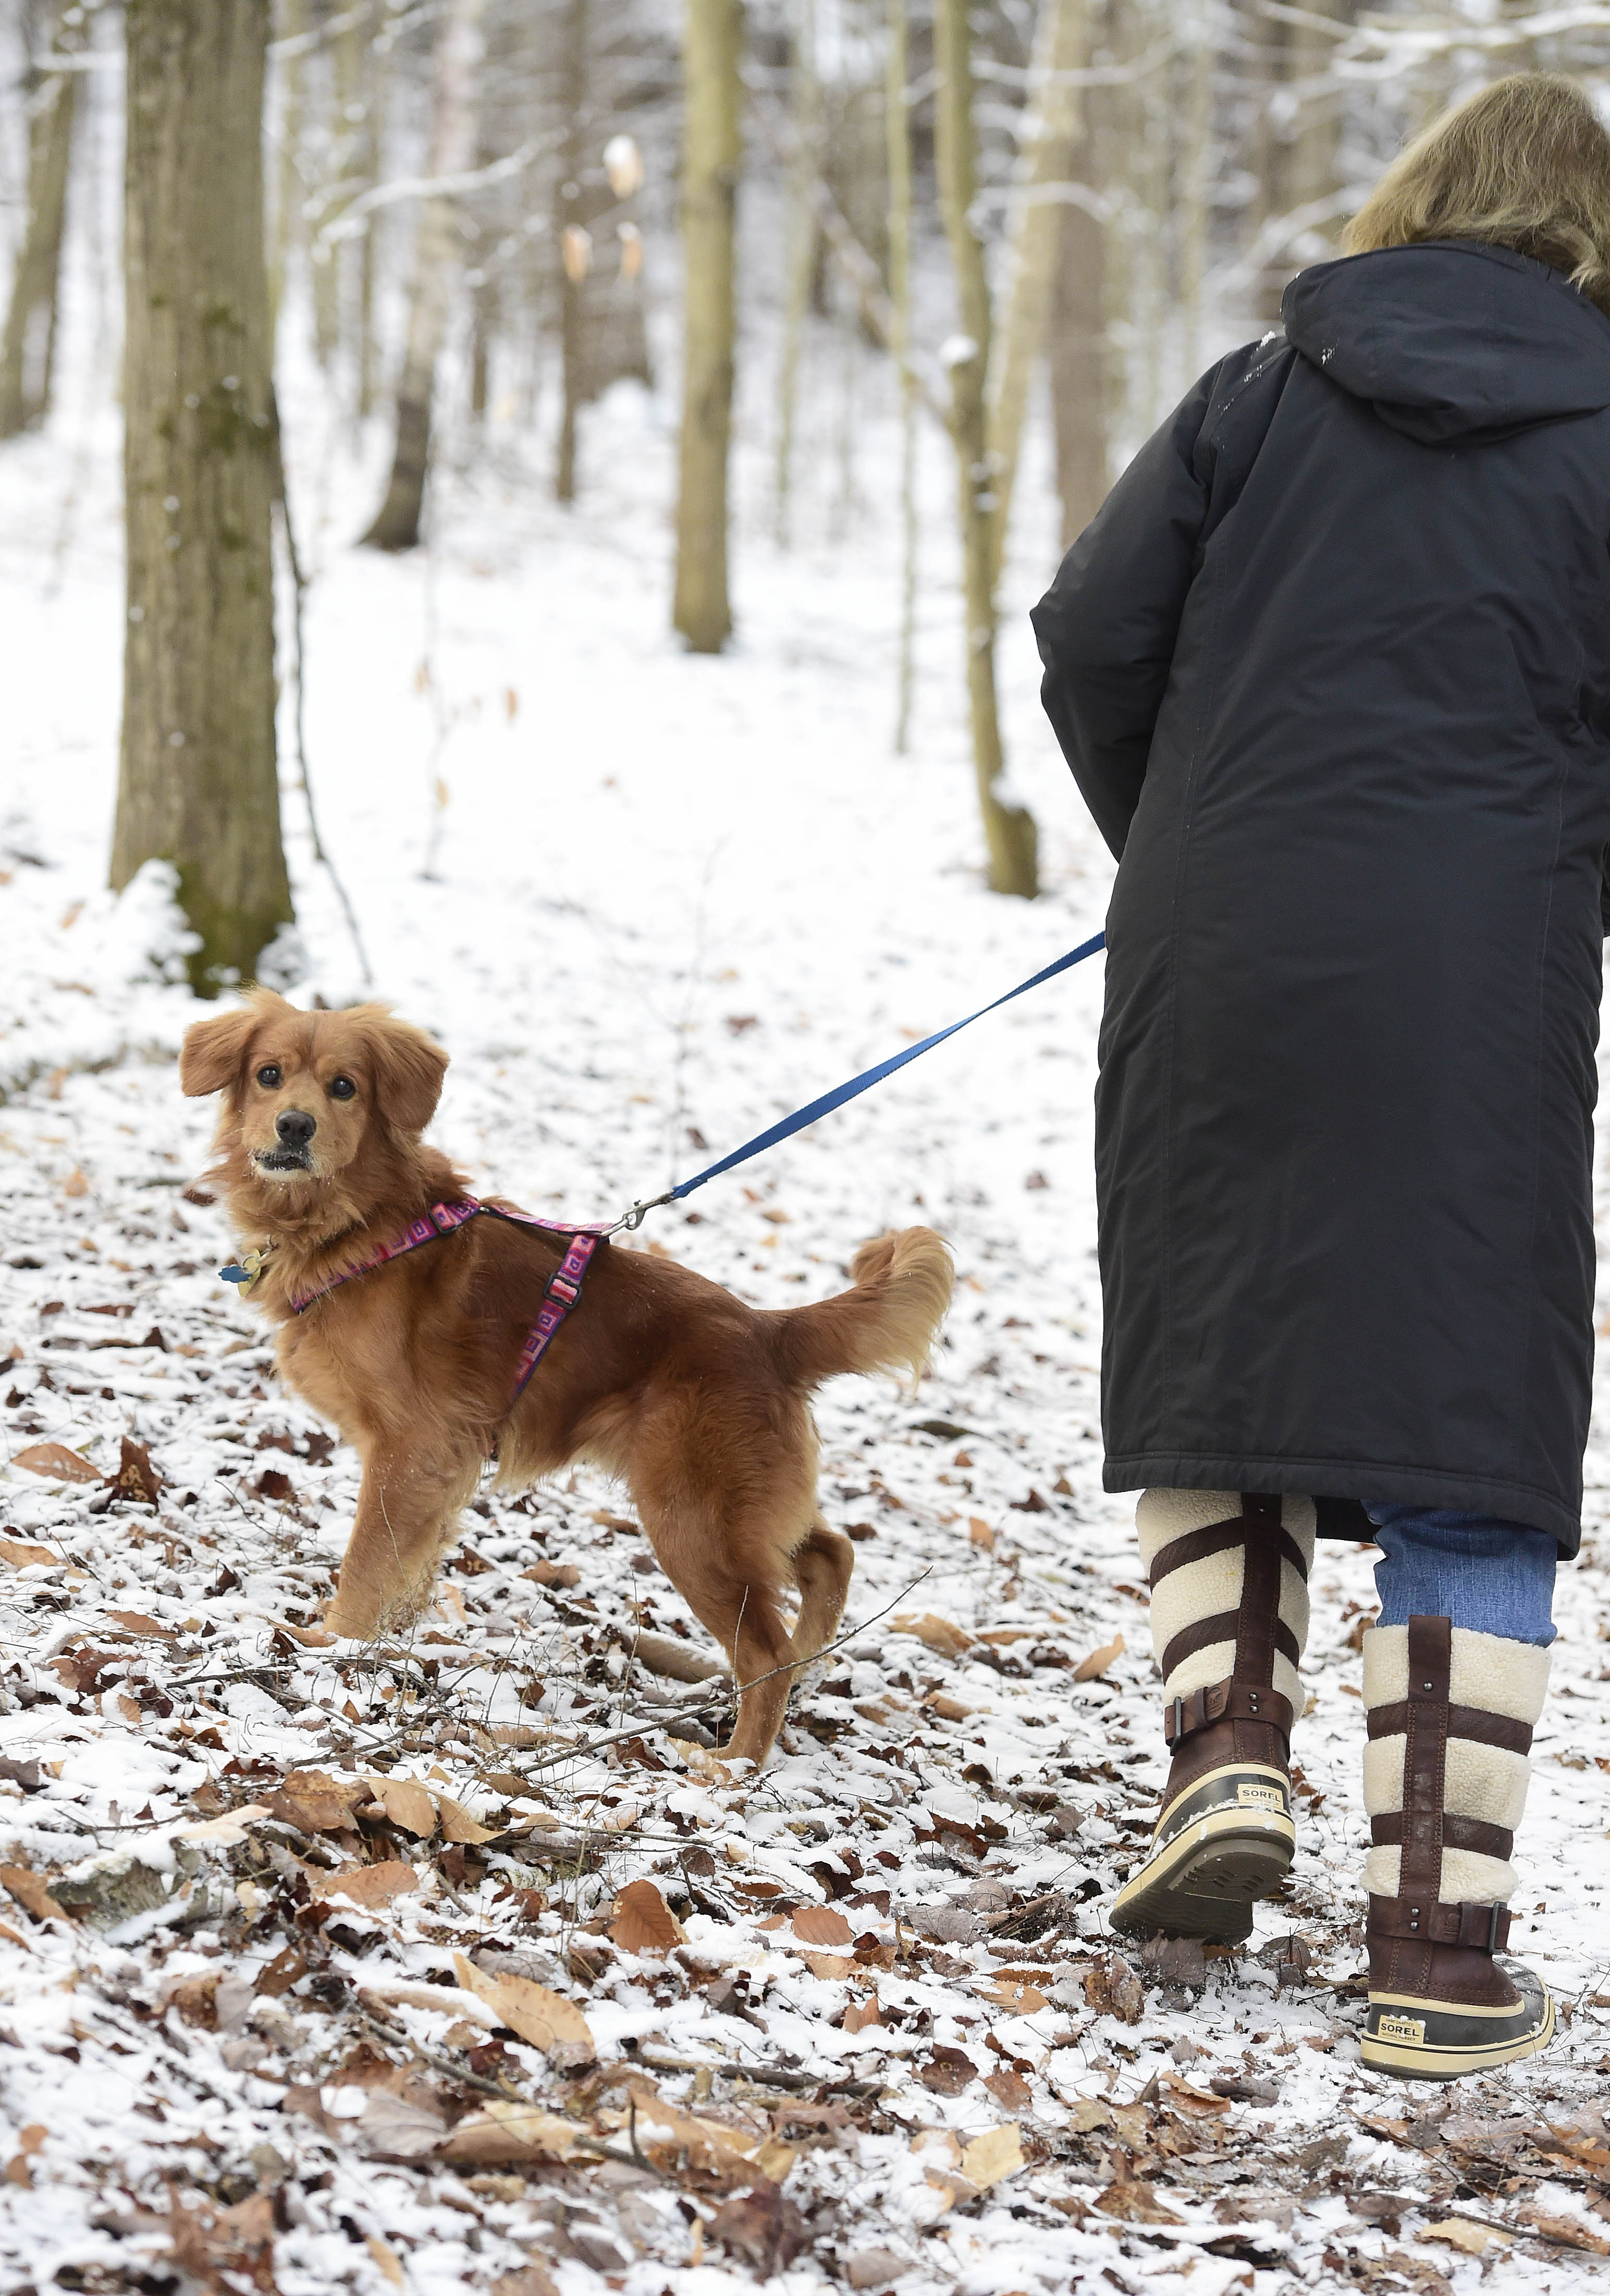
column 354, row 218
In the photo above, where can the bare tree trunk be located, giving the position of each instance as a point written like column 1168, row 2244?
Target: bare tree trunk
column 28, row 347
column 713, row 53
column 1050, row 134
column 1196, row 118
column 1080, row 360
column 397, row 524
column 287, row 186
column 574, row 249
column 197, row 784
column 898, row 132
column 805, row 161
column 343, row 151
column 1008, row 830
column 377, row 66
column 1295, row 151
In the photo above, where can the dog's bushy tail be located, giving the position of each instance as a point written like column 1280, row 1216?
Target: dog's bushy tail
column 902, row 1284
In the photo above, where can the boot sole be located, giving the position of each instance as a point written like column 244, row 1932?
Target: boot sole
column 1429, row 2040
column 1204, row 1875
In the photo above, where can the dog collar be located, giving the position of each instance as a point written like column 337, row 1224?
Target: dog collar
column 246, row 1270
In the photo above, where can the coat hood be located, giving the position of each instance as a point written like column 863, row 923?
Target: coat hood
column 1453, row 339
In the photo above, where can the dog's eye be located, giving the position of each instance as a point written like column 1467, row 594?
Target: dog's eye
column 342, row 1088
column 269, row 1077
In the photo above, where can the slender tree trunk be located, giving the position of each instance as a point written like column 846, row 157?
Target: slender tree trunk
column 713, row 53
column 197, row 784
column 28, row 347
column 1008, row 830
column 343, row 149
column 1195, row 172
column 397, row 524
column 573, row 249
column 1050, row 134
column 804, row 162
column 898, row 134
column 1295, row 151
column 1080, row 382
column 287, row 184
column 377, row 65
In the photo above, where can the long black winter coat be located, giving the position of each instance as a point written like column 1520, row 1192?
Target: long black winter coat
column 1332, row 670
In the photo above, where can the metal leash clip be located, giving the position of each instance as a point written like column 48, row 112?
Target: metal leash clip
column 638, row 1212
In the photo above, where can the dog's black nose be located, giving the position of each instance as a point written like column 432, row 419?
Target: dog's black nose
column 295, row 1128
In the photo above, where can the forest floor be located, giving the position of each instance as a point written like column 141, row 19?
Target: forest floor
column 440, row 1964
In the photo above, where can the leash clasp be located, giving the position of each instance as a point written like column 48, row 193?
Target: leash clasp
column 635, row 1218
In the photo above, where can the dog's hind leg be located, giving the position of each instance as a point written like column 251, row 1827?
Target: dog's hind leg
column 821, row 1564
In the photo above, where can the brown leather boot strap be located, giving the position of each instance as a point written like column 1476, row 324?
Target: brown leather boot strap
column 1429, row 1923
column 1425, row 1758
column 1471, row 1722
column 1218, row 1538
column 1389, row 1830
column 1225, row 1701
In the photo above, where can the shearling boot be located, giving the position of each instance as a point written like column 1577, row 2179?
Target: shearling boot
column 1445, row 1774
column 1229, row 1576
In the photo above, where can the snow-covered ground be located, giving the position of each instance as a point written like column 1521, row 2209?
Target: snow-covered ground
column 875, row 2033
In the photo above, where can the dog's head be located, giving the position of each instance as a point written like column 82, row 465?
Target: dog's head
column 308, row 1095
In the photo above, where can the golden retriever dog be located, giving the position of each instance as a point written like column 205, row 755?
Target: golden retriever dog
column 700, row 1404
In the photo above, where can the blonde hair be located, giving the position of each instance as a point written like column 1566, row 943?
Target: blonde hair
column 1525, row 164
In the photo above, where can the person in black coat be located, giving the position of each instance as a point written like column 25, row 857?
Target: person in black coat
column 1332, row 671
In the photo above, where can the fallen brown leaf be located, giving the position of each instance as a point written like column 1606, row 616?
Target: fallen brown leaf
column 136, row 1622
column 21, row 1552
column 821, row 1925
column 1135, row 2204
column 860, row 2014
column 32, row 1891
column 992, row 2156
column 934, row 1633
column 18, row 2170
column 1090, row 1669
column 504, row 2134
column 1474, row 2238
column 458, row 1825
column 644, row 1923
column 948, row 2073
column 1566, row 2232
column 543, row 2018
column 553, row 1574
column 368, row 1886
column 57, row 1463
column 135, row 1477
column 313, row 1800
column 406, row 1804
column 762, row 2226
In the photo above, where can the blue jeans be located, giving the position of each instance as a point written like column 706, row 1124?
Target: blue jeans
column 1495, row 1577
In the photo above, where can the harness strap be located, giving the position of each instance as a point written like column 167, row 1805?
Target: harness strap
column 564, row 1289
column 564, row 1286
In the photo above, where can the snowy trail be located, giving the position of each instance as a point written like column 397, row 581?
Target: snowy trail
column 870, row 2027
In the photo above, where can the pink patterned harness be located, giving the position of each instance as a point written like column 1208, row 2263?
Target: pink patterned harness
column 564, row 1287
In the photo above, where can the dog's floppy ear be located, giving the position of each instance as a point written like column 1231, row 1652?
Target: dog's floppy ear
column 213, row 1049
column 409, row 1067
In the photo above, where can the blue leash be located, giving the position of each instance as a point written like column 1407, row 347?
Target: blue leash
column 787, row 1125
